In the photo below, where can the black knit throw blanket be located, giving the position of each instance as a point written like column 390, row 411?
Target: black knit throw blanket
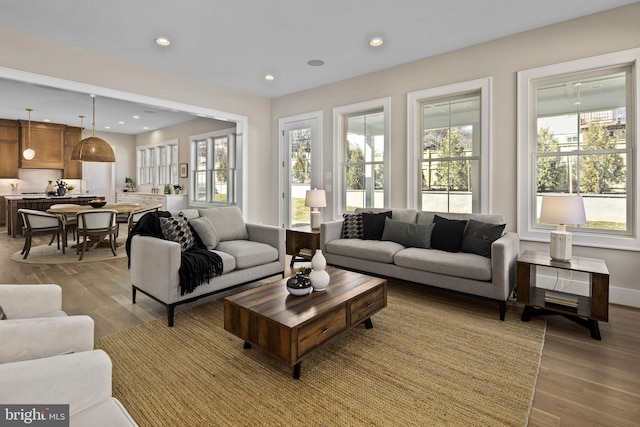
column 197, row 265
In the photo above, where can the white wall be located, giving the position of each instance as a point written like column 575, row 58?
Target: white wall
column 501, row 59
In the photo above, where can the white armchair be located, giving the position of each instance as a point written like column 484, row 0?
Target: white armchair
column 81, row 380
column 36, row 326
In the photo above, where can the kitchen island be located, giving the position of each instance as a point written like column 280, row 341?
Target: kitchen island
column 39, row 202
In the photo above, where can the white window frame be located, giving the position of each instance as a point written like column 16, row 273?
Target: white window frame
column 232, row 168
column 414, row 137
column 526, row 143
column 152, row 154
column 339, row 118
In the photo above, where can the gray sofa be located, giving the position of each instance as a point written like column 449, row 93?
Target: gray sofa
column 249, row 252
column 491, row 278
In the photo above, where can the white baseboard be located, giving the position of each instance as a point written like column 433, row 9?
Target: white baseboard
column 624, row 296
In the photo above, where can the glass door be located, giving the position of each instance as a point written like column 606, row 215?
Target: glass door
column 302, row 168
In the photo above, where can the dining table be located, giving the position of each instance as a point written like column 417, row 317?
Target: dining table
column 72, row 210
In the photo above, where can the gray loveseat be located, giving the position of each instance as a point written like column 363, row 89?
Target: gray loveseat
column 249, row 252
column 492, row 278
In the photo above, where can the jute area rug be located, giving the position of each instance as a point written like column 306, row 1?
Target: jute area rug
column 430, row 360
column 45, row 254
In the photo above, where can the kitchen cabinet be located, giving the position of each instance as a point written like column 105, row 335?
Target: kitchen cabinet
column 47, row 139
column 167, row 202
column 10, row 148
column 72, row 168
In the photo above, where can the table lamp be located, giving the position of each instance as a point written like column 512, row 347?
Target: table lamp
column 315, row 199
column 562, row 210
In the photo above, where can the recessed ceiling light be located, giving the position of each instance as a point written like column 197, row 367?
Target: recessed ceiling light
column 46, row 120
column 376, row 41
column 145, row 128
column 120, row 122
column 136, row 117
column 163, row 41
column 269, row 77
column 315, row 62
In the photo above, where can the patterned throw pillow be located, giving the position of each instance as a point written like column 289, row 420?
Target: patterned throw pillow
column 178, row 230
column 352, row 226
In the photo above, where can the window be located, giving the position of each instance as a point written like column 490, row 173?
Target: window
column 577, row 135
column 362, row 133
column 449, row 148
column 158, row 164
column 212, row 177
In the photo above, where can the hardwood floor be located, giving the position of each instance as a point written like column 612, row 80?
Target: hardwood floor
column 582, row 382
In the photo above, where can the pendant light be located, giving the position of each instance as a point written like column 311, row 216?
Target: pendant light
column 93, row 149
column 29, row 153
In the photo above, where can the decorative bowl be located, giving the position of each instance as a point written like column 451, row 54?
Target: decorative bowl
column 299, row 285
column 97, row 203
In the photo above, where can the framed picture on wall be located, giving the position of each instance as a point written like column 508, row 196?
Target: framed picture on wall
column 184, row 170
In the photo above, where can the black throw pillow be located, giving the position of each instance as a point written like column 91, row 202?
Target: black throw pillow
column 373, row 224
column 479, row 236
column 447, row 234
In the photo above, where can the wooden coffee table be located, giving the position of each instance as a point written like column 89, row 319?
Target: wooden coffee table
column 291, row 327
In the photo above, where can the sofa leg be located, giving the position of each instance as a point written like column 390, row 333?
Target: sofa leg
column 170, row 310
column 133, row 294
column 503, row 309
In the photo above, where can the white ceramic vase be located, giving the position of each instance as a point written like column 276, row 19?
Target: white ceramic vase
column 318, row 276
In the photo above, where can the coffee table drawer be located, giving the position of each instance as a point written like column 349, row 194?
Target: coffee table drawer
column 319, row 330
column 366, row 304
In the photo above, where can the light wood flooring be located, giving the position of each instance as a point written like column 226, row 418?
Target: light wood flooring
column 582, row 382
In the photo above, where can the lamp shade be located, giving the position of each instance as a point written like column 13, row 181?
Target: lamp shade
column 562, row 210
column 315, row 198
column 93, row 149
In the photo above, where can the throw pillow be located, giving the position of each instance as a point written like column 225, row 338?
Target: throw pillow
column 373, row 224
column 2, row 315
column 352, row 226
column 479, row 236
column 178, row 230
column 447, row 234
column 206, row 231
column 408, row 235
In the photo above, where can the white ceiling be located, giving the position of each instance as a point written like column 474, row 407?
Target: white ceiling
column 236, row 43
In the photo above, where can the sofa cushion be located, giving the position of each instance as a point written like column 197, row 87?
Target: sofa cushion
column 373, row 224
column 408, row 235
column 228, row 262
column 479, row 236
column 461, row 264
column 228, row 222
column 404, row 215
column 248, row 253
column 177, row 229
column 447, row 234
column 206, row 231
column 426, row 217
column 190, row 213
column 372, row 250
column 352, row 226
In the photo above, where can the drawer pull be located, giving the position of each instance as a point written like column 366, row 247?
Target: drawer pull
column 325, row 330
column 369, row 303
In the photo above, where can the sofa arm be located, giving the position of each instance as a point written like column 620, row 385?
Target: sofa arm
column 329, row 231
column 25, row 301
column 154, row 266
column 78, row 379
column 270, row 235
column 504, row 254
column 26, row 339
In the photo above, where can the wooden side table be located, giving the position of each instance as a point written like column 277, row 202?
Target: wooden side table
column 302, row 243
column 588, row 309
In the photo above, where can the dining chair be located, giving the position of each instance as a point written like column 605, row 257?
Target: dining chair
column 39, row 223
column 95, row 225
column 71, row 223
column 123, row 218
column 135, row 216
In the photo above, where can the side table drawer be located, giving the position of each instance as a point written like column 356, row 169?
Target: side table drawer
column 365, row 305
column 314, row 333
